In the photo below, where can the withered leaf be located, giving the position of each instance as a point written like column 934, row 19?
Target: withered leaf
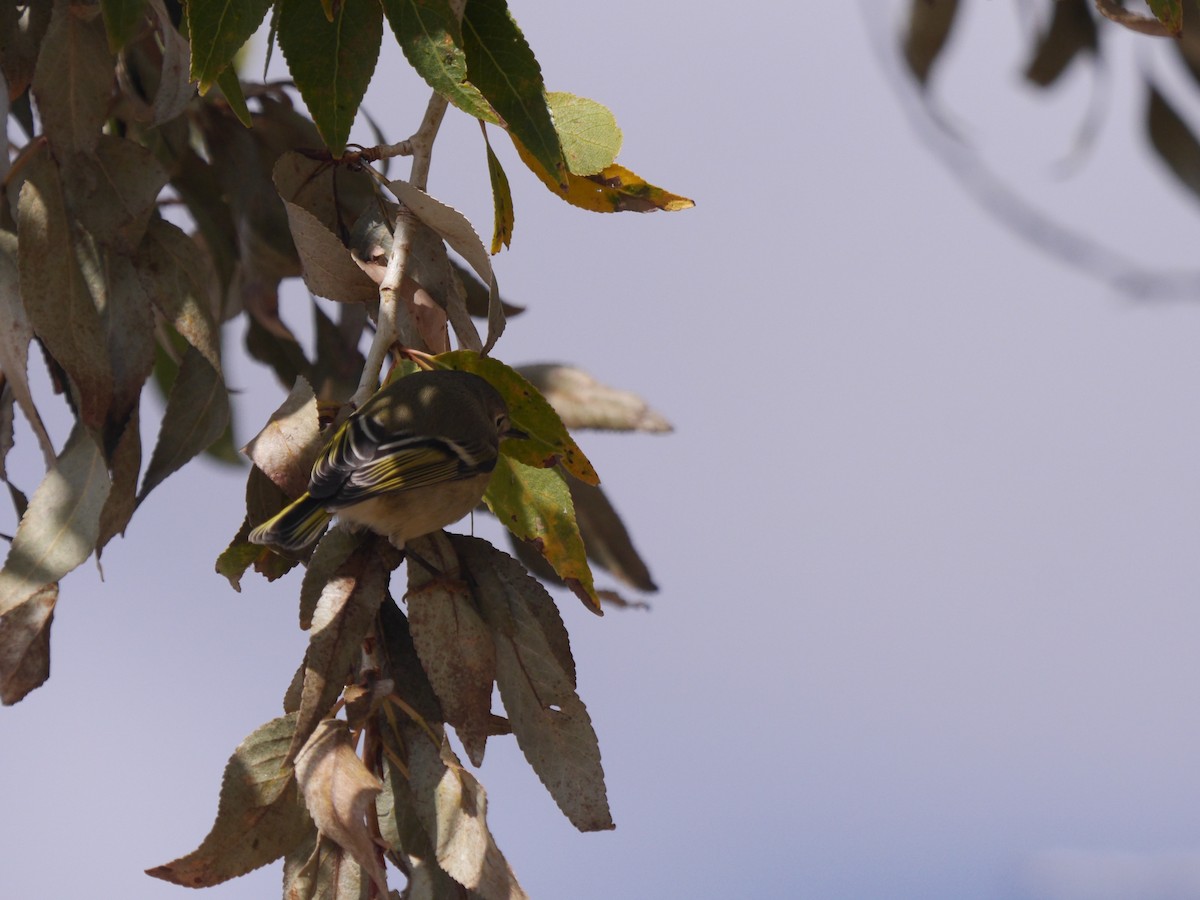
column 259, row 817
column 56, row 534
column 173, row 273
column 343, row 616
column 197, row 414
column 457, row 231
column 60, row 284
column 73, row 79
column 452, row 806
column 548, row 718
column 15, row 336
column 583, row 402
column 126, row 462
column 338, row 790
column 330, row 554
column 287, row 445
column 454, row 646
column 321, row 870
column 25, row 644
column 113, row 190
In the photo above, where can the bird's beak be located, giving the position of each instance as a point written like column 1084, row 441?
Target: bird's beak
column 514, row 434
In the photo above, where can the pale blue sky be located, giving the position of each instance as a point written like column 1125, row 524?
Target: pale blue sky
column 926, row 533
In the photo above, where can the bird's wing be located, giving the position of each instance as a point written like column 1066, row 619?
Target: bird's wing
column 358, row 464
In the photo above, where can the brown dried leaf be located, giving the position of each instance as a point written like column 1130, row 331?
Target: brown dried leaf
column 171, row 267
column 128, row 322
column 343, row 616
column 175, row 88
column 25, row 644
column 56, row 534
column 72, row 83
column 454, row 646
column 457, row 231
column 15, row 336
column 328, row 268
column 549, row 720
column 321, row 870
column 338, row 790
column 126, row 462
column 21, row 36
column 113, row 190
column 286, row 447
column 197, row 414
column 583, row 402
column 452, row 806
column 330, row 554
column 929, row 25
column 259, row 816
column 60, row 284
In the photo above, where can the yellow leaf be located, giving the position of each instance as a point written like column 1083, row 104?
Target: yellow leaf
column 613, row 189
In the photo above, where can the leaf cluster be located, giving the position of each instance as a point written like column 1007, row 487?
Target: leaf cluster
column 160, row 199
column 1067, row 35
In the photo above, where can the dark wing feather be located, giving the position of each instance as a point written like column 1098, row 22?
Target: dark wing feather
column 357, row 464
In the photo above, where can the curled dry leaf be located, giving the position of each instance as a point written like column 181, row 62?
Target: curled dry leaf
column 583, row 402
column 452, row 807
column 287, row 445
column 338, row 790
column 457, row 231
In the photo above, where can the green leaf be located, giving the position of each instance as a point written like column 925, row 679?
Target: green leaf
column 231, row 86
column 431, row 37
column 57, row 533
column 549, row 442
column 218, row 29
column 259, row 815
column 121, row 20
column 502, row 66
column 588, row 131
column 1169, row 12
column 331, row 62
column 502, row 226
column 535, row 505
column 550, row 722
column 197, row 414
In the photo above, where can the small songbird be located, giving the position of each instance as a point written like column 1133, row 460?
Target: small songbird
column 415, row 458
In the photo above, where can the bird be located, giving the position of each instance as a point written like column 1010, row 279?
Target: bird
column 413, row 459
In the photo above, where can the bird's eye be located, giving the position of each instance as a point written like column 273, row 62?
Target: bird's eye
column 501, row 422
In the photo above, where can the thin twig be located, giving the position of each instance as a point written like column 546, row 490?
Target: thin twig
column 391, row 305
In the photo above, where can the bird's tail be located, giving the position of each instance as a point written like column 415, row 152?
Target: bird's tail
column 294, row 527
